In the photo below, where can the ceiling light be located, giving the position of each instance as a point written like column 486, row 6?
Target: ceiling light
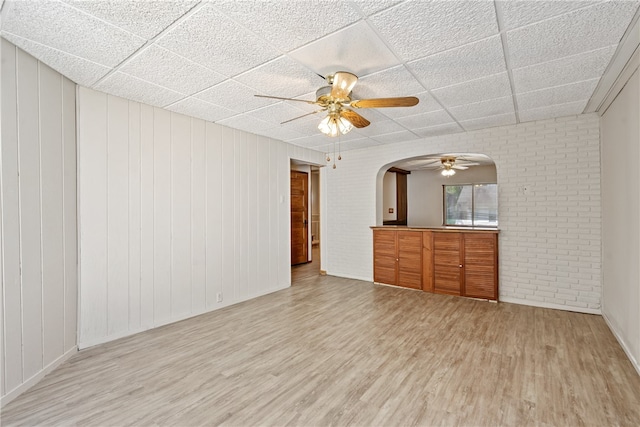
column 334, row 125
column 448, row 172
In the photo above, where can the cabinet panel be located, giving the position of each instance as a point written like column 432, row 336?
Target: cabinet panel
column 427, row 261
column 480, row 266
column 410, row 259
column 384, row 256
column 446, row 263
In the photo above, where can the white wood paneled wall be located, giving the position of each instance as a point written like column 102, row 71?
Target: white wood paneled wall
column 173, row 212
column 38, row 203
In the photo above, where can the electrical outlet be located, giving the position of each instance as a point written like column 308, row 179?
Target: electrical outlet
column 219, row 297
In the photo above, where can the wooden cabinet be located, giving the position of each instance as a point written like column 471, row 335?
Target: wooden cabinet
column 397, row 258
column 461, row 263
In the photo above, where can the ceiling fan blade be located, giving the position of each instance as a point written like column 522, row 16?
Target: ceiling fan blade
column 343, row 82
column 407, row 101
column 462, row 168
column 304, row 115
column 356, row 119
column 287, row 99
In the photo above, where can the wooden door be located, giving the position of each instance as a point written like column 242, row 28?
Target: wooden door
column 447, row 263
column 410, row 259
column 299, row 217
column 480, row 265
column 384, row 256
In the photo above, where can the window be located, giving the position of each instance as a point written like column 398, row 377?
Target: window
column 471, row 205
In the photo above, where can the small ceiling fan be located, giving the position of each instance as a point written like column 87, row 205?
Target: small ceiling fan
column 336, row 100
column 448, row 164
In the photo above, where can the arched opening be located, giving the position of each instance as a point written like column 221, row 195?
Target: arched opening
column 441, row 189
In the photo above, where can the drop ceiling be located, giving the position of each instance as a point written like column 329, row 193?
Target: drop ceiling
column 473, row 65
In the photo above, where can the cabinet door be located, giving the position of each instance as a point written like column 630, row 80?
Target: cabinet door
column 447, row 265
column 384, row 256
column 410, row 259
column 480, row 266
column 427, row 261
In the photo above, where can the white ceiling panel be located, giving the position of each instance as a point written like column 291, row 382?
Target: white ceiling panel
column 281, row 77
column 356, row 49
column 195, row 107
column 561, row 71
column 461, row 64
column 209, row 58
column 210, row 38
column 492, row 107
column 143, row 18
column 165, row 68
column 488, row 122
column 518, row 13
column 290, row 24
column 491, row 87
column 81, row 71
column 560, row 110
column 130, row 87
column 416, row 29
column 579, row 31
column 556, row 95
column 58, row 25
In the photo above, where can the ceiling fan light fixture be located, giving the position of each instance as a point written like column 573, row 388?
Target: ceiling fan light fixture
column 333, row 126
column 448, row 172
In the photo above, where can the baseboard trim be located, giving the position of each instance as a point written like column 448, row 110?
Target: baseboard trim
column 162, row 322
column 37, row 377
column 346, row 276
column 550, row 305
column 622, row 343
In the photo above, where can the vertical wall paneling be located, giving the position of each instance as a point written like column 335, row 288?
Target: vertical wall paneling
column 30, row 212
column 38, row 221
column 134, row 215
column 12, row 355
column 198, row 216
column 52, row 213
column 117, row 213
column 162, row 215
column 180, row 215
column 201, row 209
column 214, row 227
column 70, row 225
column 147, row 224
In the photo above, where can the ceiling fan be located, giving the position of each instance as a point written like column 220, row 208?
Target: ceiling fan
column 336, row 100
column 448, row 164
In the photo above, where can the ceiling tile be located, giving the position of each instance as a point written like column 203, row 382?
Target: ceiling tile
column 415, row 29
column 557, row 95
column 461, row 64
column 392, row 82
column 278, row 113
column 281, row 77
column 392, row 138
column 290, row 24
column 283, row 133
column 62, row 27
column 579, row 31
column 356, row 49
column 195, row 107
column 492, row 107
column 165, row 68
column 438, row 130
column 496, row 86
column 561, row 71
column 310, row 141
column 234, row 96
column 426, row 104
column 210, row 38
column 559, row 110
column 132, row 88
column 488, row 122
column 144, row 18
column 379, row 127
column 426, row 119
column 355, row 145
column 246, row 123
column 369, row 7
column 81, row 71
column 516, row 13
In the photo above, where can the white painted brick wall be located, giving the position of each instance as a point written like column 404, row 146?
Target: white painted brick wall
column 548, row 198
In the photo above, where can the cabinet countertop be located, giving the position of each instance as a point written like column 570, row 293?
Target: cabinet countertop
column 441, row 228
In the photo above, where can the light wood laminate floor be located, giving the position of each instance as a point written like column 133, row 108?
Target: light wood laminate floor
column 332, row 351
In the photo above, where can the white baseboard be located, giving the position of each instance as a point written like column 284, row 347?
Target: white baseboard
column 550, row 305
column 161, row 322
column 622, row 342
column 37, row 377
column 347, row 276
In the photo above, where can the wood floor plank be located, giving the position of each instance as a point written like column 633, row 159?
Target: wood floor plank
column 332, row 351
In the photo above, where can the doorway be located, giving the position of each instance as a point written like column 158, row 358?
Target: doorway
column 304, row 265
column 299, row 217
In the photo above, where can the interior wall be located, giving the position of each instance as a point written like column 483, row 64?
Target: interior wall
column 38, row 204
column 424, row 191
column 620, row 126
column 389, row 197
column 175, row 212
column 548, row 195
